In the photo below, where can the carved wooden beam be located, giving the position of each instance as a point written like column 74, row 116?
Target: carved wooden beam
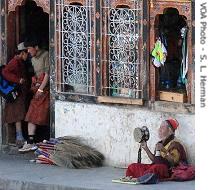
column 44, row 4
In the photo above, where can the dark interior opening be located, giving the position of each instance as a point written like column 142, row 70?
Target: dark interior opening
column 172, row 31
column 122, row 7
column 34, row 22
column 76, row 4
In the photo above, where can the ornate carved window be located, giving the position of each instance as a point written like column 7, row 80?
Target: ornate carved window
column 122, row 57
column 104, row 48
column 74, row 51
column 119, row 44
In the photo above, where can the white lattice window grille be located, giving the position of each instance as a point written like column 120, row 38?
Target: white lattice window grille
column 123, row 59
column 75, row 55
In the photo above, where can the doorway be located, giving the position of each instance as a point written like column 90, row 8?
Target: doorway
column 27, row 21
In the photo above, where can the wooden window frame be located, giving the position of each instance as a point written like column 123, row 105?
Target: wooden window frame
column 60, row 86
column 150, row 92
column 106, row 60
column 98, row 68
column 185, row 8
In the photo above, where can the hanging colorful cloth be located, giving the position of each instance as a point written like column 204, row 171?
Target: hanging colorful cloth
column 159, row 53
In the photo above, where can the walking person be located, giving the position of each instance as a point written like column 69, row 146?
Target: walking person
column 15, row 71
column 38, row 113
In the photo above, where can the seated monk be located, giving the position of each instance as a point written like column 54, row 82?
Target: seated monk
column 168, row 153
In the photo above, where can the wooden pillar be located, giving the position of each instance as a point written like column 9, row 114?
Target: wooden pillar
column 52, row 46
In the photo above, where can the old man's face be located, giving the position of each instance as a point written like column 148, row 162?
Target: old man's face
column 164, row 130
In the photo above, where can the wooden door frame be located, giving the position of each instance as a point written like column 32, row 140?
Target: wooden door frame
column 52, row 66
column 3, row 60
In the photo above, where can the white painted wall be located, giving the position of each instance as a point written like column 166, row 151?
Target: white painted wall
column 110, row 128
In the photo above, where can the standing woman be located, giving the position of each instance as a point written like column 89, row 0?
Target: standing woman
column 15, row 72
column 38, row 113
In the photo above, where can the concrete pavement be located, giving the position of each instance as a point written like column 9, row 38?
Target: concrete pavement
column 17, row 173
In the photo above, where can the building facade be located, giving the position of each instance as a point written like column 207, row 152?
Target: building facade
column 103, row 79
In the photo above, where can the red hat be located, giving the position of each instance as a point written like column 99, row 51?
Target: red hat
column 173, row 124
